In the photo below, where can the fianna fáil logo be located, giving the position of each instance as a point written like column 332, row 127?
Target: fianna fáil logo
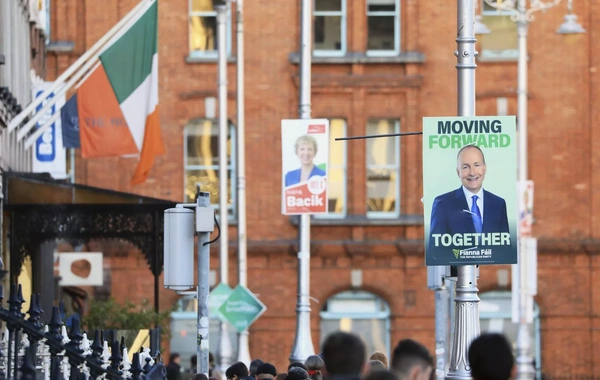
column 456, row 252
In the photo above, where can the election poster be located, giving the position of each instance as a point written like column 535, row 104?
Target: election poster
column 305, row 156
column 470, row 190
column 525, row 207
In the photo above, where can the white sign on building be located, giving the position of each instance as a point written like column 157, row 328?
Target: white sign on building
column 49, row 154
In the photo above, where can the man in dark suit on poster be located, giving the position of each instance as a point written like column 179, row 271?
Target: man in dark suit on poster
column 470, row 208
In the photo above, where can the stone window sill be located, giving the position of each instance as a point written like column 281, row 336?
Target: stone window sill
column 60, row 46
column 209, row 59
column 492, row 58
column 497, row 59
column 362, row 220
column 362, row 58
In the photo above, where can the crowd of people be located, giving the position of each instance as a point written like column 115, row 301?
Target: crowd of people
column 344, row 357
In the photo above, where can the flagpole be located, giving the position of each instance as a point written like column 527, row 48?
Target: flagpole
column 225, row 352
column 80, row 61
column 33, row 138
column 243, row 338
column 51, row 102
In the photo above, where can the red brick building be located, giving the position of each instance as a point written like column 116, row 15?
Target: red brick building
column 379, row 66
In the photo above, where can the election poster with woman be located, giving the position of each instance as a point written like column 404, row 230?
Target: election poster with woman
column 305, row 155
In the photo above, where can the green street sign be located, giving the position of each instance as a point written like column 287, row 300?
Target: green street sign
column 242, row 308
column 216, row 298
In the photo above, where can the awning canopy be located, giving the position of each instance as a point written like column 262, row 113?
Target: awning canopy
column 42, row 209
column 21, row 189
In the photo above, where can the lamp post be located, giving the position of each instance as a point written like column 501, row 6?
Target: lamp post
column 221, row 8
column 243, row 338
column 466, row 327
column 303, row 345
column 521, row 12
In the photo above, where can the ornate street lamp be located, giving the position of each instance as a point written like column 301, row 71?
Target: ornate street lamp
column 521, row 12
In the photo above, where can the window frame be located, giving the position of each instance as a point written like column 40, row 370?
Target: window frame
column 344, row 30
column 494, row 12
column 397, row 27
column 47, row 18
column 232, row 166
column 208, row 53
column 492, row 54
column 179, row 315
column 344, row 167
column 501, row 295
column 359, row 294
column 397, row 211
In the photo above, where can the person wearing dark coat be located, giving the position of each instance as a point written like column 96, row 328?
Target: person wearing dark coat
column 174, row 367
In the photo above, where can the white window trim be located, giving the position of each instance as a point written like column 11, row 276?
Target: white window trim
column 208, row 53
column 493, row 12
column 232, row 167
column 191, row 316
column 497, row 54
column 506, row 295
column 344, row 167
column 342, row 13
column 396, row 14
column 47, row 17
column 362, row 295
column 395, row 166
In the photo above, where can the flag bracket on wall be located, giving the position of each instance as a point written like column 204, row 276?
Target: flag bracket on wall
column 113, row 111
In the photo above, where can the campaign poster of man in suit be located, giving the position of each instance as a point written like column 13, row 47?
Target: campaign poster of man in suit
column 470, row 190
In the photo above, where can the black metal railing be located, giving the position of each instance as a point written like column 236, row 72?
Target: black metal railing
column 32, row 350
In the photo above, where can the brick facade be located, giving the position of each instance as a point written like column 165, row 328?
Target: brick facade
column 564, row 160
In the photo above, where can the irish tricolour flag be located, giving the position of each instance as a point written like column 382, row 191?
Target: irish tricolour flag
column 118, row 103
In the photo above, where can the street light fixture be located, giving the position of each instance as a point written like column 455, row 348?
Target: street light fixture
column 521, row 12
column 570, row 26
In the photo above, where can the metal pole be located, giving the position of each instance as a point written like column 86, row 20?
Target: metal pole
column 1, row 220
column 243, row 342
column 451, row 286
column 525, row 368
column 303, row 345
column 202, row 347
column 522, row 29
column 467, row 302
column 441, row 330
column 225, row 345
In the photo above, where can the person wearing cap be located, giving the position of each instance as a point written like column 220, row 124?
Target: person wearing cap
column 254, row 364
column 266, row 371
column 297, row 364
column 297, row 373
